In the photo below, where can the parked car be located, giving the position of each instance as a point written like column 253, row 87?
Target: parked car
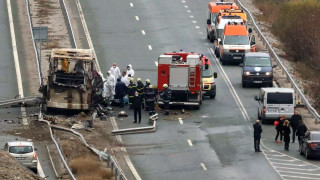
column 275, row 102
column 24, row 152
column 310, row 146
column 257, row 69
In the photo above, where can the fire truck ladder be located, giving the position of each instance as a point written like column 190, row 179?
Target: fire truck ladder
column 192, row 77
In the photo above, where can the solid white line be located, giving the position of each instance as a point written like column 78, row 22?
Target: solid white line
column 203, row 166
column 131, row 4
column 24, row 116
column 286, row 164
column 180, row 121
column 275, row 155
column 143, row 32
column 298, row 169
column 137, row 18
column 40, row 170
column 190, row 142
column 301, row 173
column 299, row 177
column 86, row 31
column 150, row 47
column 283, row 160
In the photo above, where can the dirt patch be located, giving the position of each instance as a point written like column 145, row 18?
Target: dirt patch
column 11, row 169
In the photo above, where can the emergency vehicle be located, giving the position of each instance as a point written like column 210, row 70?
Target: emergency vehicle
column 233, row 12
column 213, row 10
column 235, row 43
column 183, row 74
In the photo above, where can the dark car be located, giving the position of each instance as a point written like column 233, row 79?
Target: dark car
column 257, row 69
column 310, row 146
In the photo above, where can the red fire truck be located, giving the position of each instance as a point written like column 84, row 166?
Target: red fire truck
column 183, row 73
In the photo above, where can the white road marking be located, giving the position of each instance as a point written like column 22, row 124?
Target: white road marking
column 185, row 6
column 191, row 16
column 194, row 22
column 183, row 1
column 137, row 18
column 190, row 142
column 150, row 47
column 180, row 121
column 188, row 11
column 293, row 172
column 197, row 27
column 201, row 33
column 40, row 170
column 299, row 177
column 298, row 169
column 143, row 32
column 203, row 166
column 292, row 160
column 156, row 63
column 131, row 4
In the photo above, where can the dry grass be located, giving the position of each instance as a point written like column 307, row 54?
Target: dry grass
column 87, row 167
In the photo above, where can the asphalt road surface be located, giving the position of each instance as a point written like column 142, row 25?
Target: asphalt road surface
column 216, row 141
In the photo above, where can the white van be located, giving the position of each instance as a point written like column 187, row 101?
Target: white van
column 275, row 102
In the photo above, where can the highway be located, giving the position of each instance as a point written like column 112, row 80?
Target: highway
column 216, row 141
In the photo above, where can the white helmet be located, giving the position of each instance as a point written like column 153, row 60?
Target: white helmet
column 165, row 85
column 147, row 80
column 150, row 86
column 139, row 79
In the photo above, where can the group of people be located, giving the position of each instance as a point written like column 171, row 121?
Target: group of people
column 282, row 126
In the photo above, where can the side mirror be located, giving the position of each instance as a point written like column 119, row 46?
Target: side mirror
column 250, row 30
column 220, row 43
column 241, row 64
column 215, row 75
column 206, row 66
column 209, row 21
column 256, row 98
column 252, row 43
column 273, row 66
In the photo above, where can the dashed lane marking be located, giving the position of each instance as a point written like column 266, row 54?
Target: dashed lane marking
column 131, row 4
column 203, row 166
column 194, row 22
column 156, row 63
column 201, row 33
column 137, row 18
column 143, row 32
column 190, row 142
column 150, row 47
column 188, row 11
column 183, row 1
column 185, row 6
column 180, row 121
column 191, row 16
column 197, row 27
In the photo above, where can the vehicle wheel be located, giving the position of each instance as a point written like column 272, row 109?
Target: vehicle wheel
column 244, row 85
column 307, row 154
column 212, row 96
column 35, row 170
column 270, row 84
column 197, row 107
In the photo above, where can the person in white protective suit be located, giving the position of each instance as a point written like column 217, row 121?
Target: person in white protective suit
column 109, row 87
column 115, row 71
column 125, row 78
column 130, row 70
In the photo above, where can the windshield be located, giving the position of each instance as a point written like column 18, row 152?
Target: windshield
column 257, row 61
column 315, row 136
column 220, row 33
column 279, row 98
column 20, row 149
column 236, row 40
column 206, row 72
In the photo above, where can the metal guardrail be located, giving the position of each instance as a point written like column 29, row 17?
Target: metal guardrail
column 276, row 57
column 20, row 100
column 68, row 23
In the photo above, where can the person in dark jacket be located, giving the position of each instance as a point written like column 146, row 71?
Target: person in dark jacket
column 294, row 122
column 140, row 87
column 257, row 130
column 150, row 96
column 121, row 91
column 286, row 134
column 145, row 88
column 279, row 128
column 132, row 88
column 137, row 102
column 166, row 98
column 301, row 131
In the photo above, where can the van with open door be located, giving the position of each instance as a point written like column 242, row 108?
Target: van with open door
column 275, row 102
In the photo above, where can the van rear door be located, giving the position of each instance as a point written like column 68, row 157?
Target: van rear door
column 279, row 104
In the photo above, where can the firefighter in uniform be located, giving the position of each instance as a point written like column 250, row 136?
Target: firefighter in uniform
column 132, row 88
column 140, row 87
column 145, row 88
column 150, row 96
column 166, row 98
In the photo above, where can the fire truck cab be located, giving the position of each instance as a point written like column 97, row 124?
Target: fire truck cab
column 183, row 74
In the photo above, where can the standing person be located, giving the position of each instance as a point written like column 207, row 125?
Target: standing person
column 137, row 102
column 257, row 130
column 108, row 90
column 111, row 78
column 166, row 98
column 286, row 134
column 301, row 131
column 150, row 96
column 294, row 124
column 140, row 87
column 121, row 91
column 132, row 88
column 145, row 88
column 279, row 128
column 130, row 70
column 115, row 71
column 79, row 67
column 124, row 78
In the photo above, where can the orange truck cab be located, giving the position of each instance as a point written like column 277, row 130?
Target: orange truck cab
column 213, row 10
column 235, row 43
